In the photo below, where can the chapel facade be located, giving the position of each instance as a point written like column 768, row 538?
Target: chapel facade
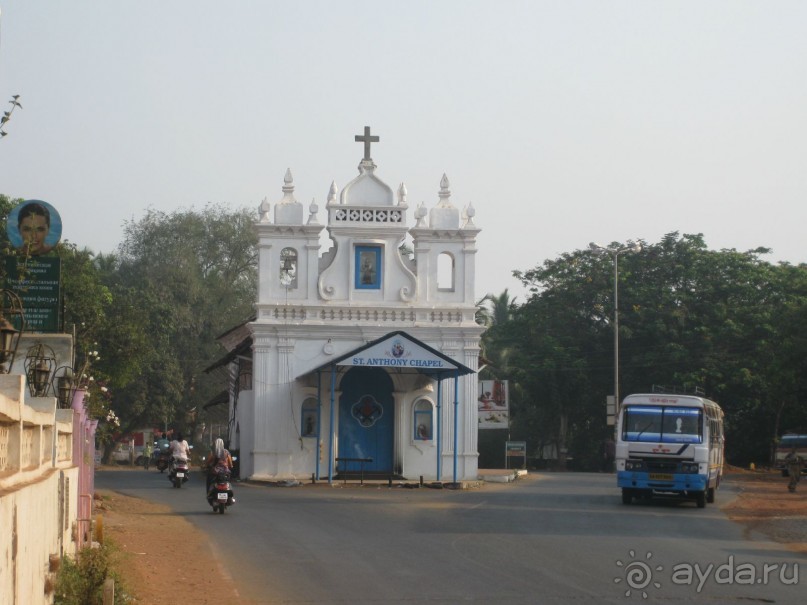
column 364, row 352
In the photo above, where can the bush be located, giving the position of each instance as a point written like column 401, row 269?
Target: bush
column 81, row 581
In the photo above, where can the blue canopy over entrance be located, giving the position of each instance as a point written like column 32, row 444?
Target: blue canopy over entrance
column 396, row 352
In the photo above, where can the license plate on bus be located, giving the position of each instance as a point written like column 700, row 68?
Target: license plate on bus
column 223, row 496
column 661, row 477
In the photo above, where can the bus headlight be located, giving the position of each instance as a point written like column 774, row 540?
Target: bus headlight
column 689, row 467
column 634, row 465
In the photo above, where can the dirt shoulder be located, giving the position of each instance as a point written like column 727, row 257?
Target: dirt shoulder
column 765, row 505
column 164, row 556
column 152, row 539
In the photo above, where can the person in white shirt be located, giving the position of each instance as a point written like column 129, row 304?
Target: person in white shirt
column 180, row 448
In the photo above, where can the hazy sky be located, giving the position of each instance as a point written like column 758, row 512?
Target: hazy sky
column 562, row 122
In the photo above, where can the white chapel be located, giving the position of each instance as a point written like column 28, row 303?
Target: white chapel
column 361, row 357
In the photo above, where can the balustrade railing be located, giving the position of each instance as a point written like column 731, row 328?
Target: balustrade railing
column 292, row 312
column 33, row 438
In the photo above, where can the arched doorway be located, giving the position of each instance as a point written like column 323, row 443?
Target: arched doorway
column 366, row 419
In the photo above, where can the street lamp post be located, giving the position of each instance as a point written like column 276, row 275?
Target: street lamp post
column 615, row 252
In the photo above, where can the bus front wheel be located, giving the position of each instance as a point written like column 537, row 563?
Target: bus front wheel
column 700, row 499
column 627, row 496
column 710, row 495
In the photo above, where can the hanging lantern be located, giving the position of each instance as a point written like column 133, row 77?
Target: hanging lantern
column 11, row 312
column 64, row 378
column 39, row 363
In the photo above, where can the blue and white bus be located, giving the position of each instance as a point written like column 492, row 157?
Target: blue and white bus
column 669, row 445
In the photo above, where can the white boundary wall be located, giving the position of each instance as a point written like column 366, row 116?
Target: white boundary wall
column 38, row 492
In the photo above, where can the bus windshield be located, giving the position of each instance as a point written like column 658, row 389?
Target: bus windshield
column 790, row 441
column 662, row 424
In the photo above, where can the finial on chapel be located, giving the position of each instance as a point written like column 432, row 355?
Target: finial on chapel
column 288, row 189
column 402, row 195
column 420, row 215
column 263, row 211
column 469, row 214
column 445, row 192
column 312, row 210
column 332, row 193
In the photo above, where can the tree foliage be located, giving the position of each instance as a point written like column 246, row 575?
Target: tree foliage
column 188, row 275
column 146, row 318
column 725, row 321
column 492, row 312
column 7, row 204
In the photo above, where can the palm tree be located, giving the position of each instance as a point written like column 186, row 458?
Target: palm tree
column 494, row 312
column 501, row 307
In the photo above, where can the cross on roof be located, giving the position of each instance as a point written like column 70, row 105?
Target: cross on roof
column 367, row 139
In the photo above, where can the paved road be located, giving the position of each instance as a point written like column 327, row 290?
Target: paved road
column 555, row 538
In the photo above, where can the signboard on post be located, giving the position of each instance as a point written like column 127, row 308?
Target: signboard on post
column 610, row 410
column 38, row 289
column 34, row 228
column 515, row 449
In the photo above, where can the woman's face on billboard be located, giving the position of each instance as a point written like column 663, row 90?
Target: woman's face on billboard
column 34, row 228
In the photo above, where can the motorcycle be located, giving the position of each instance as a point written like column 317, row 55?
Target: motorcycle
column 162, row 460
column 179, row 472
column 161, row 456
column 220, row 495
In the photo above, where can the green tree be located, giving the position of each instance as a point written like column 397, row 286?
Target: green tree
column 7, row 204
column 146, row 319
column 557, row 346
column 194, row 273
column 725, row 321
column 709, row 319
column 494, row 312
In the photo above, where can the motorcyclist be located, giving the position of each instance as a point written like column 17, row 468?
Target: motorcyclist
column 179, row 450
column 217, row 461
column 161, row 453
column 162, row 446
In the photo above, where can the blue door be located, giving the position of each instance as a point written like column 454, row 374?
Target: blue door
column 366, row 420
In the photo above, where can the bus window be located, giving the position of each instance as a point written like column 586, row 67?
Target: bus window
column 682, row 425
column 791, row 441
column 664, row 424
column 642, row 423
column 785, row 446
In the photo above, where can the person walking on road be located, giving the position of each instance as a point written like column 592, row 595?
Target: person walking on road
column 147, row 455
column 794, row 464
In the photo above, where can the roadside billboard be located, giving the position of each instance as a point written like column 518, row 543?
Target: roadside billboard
column 493, row 404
